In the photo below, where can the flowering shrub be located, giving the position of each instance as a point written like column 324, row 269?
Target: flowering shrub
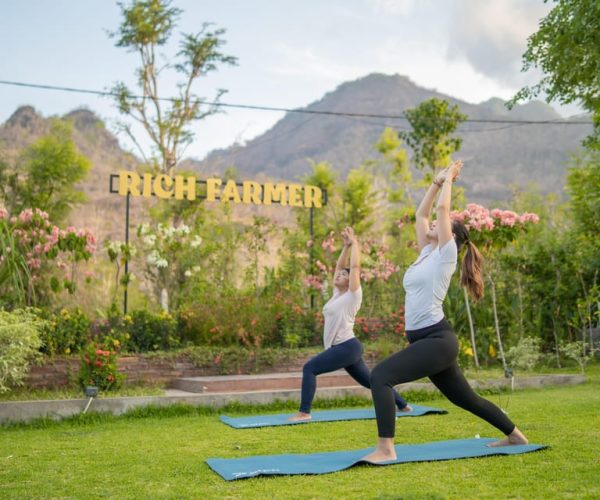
column 493, row 228
column 375, row 266
column 50, row 254
column 250, row 321
column 99, row 366
column 170, row 258
column 390, row 326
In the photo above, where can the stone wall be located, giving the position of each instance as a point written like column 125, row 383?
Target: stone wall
column 62, row 371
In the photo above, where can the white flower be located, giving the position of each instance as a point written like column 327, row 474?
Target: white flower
column 150, row 239
column 184, row 229
column 188, row 273
column 153, row 257
column 196, row 269
column 161, row 263
column 196, row 242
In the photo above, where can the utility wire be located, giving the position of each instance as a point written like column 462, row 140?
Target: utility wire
column 108, row 93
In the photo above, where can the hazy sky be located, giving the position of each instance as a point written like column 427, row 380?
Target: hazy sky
column 290, row 52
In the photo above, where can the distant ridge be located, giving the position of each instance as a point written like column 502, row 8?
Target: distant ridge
column 496, row 155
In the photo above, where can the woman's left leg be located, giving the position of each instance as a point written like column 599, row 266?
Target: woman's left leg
column 453, row 384
column 334, row 358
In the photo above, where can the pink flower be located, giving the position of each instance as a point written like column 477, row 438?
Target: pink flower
column 529, row 217
column 322, row 267
column 328, row 243
column 312, row 281
column 3, row 213
column 309, row 243
column 26, row 215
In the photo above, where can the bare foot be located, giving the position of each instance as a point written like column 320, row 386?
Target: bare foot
column 380, row 456
column 384, row 452
column 406, row 409
column 514, row 438
column 300, row 417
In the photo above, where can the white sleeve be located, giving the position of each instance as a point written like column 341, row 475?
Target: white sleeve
column 449, row 252
column 356, row 297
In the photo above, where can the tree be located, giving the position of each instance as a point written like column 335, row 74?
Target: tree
column 582, row 184
column 433, row 122
column 147, row 25
column 51, row 167
column 567, row 50
column 400, row 179
column 359, row 199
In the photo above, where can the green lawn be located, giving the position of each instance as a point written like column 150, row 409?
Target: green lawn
column 160, row 454
column 24, row 394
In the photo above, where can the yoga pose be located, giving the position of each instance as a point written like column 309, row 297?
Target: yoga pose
column 433, row 346
column 342, row 348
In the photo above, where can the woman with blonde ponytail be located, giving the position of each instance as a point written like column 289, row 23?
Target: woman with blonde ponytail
column 433, row 346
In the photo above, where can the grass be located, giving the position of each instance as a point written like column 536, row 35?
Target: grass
column 160, row 453
column 24, row 394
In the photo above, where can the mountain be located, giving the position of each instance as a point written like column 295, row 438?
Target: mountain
column 496, row 156
column 103, row 213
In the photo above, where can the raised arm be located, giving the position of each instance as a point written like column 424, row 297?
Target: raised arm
column 443, row 205
column 424, row 211
column 342, row 262
column 354, row 283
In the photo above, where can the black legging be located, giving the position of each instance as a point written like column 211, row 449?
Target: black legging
column 432, row 353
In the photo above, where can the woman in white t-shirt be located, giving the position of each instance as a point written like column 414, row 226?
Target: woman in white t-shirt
column 342, row 348
column 433, row 345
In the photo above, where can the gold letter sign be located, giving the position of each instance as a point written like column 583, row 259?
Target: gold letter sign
column 249, row 192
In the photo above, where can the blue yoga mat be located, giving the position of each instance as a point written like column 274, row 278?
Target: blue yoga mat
column 319, row 416
column 323, row 463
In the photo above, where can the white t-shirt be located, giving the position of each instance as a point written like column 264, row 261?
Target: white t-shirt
column 339, row 314
column 426, row 283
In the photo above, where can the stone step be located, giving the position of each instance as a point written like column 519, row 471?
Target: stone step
column 261, row 382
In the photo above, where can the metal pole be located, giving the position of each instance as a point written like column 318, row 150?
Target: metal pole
column 126, row 260
column 310, row 251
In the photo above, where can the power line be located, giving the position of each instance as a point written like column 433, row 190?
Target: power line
column 107, row 93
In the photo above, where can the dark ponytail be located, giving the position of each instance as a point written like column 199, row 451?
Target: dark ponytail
column 470, row 276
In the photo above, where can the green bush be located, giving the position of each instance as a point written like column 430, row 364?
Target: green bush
column 151, row 332
column 66, row 332
column 578, row 352
column 19, row 344
column 525, row 355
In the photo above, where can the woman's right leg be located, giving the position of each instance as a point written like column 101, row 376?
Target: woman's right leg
column 420, row 359
column 360, row 372
column 334, row 358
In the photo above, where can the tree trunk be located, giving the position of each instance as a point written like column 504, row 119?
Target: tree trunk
column 521, row 323
column 471, row 328
column 556, row 345
column 164, row 299
column 497, row 326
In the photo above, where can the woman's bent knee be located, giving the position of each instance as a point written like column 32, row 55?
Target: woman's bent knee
column 378, row 377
